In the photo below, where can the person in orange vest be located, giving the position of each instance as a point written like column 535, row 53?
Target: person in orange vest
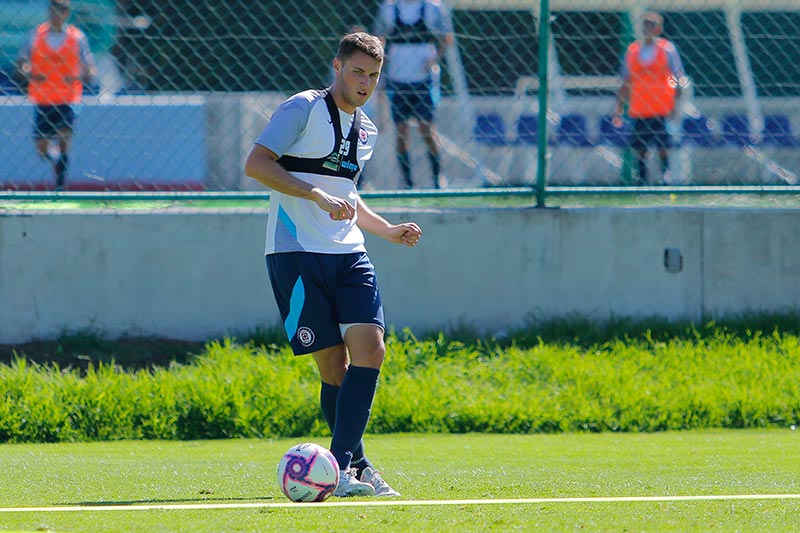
column 652, row 76
column 56, row 62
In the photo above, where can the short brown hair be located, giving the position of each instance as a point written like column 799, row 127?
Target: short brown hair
column 360, row 42
column 655, row 18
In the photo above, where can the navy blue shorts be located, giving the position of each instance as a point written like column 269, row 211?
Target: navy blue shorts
column 317, row 293
column 411, row 100
column 650, row 131
column 49, row 119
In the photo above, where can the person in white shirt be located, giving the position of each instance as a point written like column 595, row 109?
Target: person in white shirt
column 311, row 155
column 417, row 34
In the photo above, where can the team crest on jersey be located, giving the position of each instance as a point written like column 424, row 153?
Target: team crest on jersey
column 363, row 136
column 305, row 336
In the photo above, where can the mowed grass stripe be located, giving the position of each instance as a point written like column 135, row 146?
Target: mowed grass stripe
column 396, row 503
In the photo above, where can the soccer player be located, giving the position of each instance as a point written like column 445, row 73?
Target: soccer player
column 311, row 154
column 417, row 33
column 652, row 80
column 56, row 62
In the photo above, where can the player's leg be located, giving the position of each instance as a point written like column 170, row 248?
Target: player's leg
column 428, row 131
column 639, row 141
column 64, row 136
column 41, row 144
column 663, row 142
column 332, row 365
column 400, row 116
column 425, row 109
column 357, row 392
column 403, row 157
column 43, row 130
column 359, row 307
column 367, row 352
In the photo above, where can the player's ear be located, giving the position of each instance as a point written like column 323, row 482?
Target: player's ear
column 337, row 65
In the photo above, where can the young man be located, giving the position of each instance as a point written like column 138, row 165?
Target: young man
column 311, row 154
column 57, row 63
column 652, row 79
column 417, row 33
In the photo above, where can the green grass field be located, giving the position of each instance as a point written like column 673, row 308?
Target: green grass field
column 432, row 472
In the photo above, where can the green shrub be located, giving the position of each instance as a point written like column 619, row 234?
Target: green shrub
column 703, row 377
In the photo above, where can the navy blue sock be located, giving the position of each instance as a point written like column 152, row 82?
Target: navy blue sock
column 642, row 170
column 352, row 412
column 61, row 170
column 405, row 167
column 327, row 398
column 436, row 168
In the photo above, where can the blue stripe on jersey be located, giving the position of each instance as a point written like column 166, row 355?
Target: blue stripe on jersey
column 287, row 222
column 296, row 303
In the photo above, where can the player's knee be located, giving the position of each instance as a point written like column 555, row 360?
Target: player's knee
column 369, row 354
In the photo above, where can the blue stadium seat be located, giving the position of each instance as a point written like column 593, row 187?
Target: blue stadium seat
column 778, row 131
column 528, row 129
column 572, row 131
column 7, row 85
column 698, row 132
column 736, row 130
column 490, row 129
column 611, row 135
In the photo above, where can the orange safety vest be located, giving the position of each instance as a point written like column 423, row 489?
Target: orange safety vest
column 652, row 85
column 61, row 68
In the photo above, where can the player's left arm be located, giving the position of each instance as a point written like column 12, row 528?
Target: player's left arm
column 678, row 75
column 407, row 233
column 88, row 67
column 443, row 28
column 676, row 66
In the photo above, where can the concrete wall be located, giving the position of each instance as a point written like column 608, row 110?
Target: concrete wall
column 199, row 274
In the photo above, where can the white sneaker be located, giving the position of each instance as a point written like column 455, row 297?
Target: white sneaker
column 368, row 475
column 350, row 486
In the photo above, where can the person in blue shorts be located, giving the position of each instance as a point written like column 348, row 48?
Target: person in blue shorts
column 310, row 155
column 417, row 33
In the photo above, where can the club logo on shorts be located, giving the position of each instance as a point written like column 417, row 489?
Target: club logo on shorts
column 305, row 336
column 363, row 136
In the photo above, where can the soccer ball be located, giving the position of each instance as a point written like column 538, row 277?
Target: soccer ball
column 308, row 473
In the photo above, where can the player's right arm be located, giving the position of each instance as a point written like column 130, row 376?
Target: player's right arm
column 24, row 67
column 623, row 94
column 262, row 165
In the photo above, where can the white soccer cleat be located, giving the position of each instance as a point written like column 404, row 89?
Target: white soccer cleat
column 368, row 475
column 350, row 486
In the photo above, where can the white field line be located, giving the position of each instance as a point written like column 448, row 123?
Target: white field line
column 395, row 503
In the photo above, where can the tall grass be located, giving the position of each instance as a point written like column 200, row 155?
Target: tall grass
column 553, row 378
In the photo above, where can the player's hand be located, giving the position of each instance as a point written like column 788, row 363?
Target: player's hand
column 407, row 233
column 616, row 120
column 337, row 208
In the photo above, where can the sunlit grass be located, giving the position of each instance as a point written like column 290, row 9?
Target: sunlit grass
column 421, row 467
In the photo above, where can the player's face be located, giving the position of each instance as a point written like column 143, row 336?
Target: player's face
column 59, row 14
column 356, row 80
column 651, row 29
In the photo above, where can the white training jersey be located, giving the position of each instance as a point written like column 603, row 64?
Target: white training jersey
column 301, row 132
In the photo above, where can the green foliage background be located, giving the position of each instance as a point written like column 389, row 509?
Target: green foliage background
column 709, row 377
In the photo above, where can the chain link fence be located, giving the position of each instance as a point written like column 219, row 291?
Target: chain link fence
column 184, row 86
